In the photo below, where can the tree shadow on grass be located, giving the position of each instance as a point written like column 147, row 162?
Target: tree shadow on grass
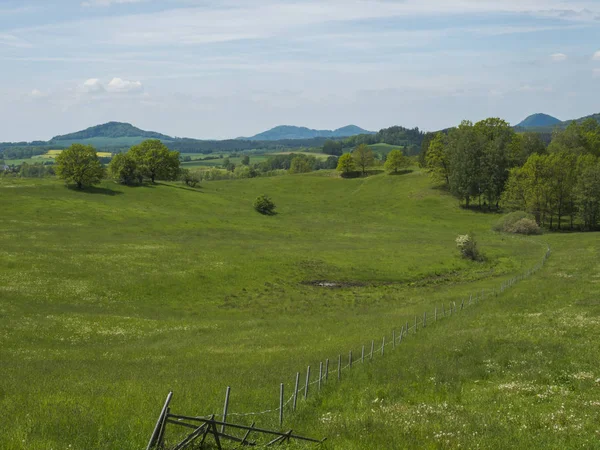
column 401, row 172
column 182, row 187
column 95, row 190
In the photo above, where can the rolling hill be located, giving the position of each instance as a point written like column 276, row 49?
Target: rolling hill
column 293, row 132
column 539, row 120
column 543, row 123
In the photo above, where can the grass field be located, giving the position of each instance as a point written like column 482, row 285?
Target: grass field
column 112, row 297
column 219, row 162
column 384, row 149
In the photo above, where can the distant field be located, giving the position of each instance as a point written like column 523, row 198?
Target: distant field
column 100, row 142
column 219, row 162
column 110, row 298
column 384, row 149
column 321, row 156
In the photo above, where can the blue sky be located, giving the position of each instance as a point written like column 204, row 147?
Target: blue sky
column 222, row 69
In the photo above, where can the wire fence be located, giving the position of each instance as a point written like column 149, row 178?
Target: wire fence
column 369, row 352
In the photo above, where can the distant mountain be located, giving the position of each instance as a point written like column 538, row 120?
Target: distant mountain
column 539, row 120
column 596, row 117
column 111, row 130
column 292, row 132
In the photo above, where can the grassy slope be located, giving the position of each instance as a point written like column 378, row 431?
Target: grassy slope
column 107, row 301
column 518, row 371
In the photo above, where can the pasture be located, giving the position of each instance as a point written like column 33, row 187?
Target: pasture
column 112, row 297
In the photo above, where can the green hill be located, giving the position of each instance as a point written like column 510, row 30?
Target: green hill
column 113, row 296
column 293, row 132
column 539, row 120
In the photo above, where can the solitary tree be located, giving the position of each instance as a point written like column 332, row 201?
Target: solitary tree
column 154, row 160
column 245, row 160
column 364, row 157
column 124, row 169
column 396, row 161
column 79, row 164
column 346, row 164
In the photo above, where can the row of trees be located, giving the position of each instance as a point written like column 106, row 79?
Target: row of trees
column 363, row 157
column 489, row 163
column 80, row 164
column 555, row 186
column 149, row 160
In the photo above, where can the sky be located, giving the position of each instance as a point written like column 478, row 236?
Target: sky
column 217, row 69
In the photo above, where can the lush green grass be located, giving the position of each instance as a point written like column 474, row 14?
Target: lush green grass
column 515, row 371
column 111, row 297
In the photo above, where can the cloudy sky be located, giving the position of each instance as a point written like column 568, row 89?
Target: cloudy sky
column 225, row 68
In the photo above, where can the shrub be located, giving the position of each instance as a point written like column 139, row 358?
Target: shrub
column 467, row 245
column 264, row 205
column 190, row 177
column 525, row 226
column 509, row 220
column 518, row 222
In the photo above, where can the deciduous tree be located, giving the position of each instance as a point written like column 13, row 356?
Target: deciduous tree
column 396, row 161
column 363, row 157
column 155, row 161
column 79, row 164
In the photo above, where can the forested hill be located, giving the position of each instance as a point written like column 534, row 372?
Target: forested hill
column 293, row 132
column 111, row 130
column 543, row 123
column 539, row 120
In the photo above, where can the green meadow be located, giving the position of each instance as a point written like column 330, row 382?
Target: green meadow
column 112, row 297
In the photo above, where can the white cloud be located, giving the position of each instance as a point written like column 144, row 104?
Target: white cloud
column 558, row 57
column 36, row 93
column 118, row 85
column 596, row 72
column 93, row 86
column 596, row 56
column 91, row 3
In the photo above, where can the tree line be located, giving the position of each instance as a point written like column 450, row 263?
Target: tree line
column 489, row 164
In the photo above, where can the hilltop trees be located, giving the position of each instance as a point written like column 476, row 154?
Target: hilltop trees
column 363, row 157
column 155, row 161
column 396, row 161
column 79, row 164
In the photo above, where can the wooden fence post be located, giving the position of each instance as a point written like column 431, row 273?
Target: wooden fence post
column 435, row 315
column 393, row 339
column 372, row 348
column 159, row 422
column 339, row 367
column 362, row 355
column 383, row 346
column 307, row 382
column 225, row 408
column 326, row 369
column 320, row 374
column 296, row 389
column 281, row 404
column 350, row 359
column 424, row 319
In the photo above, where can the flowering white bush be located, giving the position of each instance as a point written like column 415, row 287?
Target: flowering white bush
column 467, row 246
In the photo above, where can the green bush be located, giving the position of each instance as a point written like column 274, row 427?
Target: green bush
column 264, row 205
column 518, row 222
column 509, row 220
column 525, row 226
column 467, row 245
